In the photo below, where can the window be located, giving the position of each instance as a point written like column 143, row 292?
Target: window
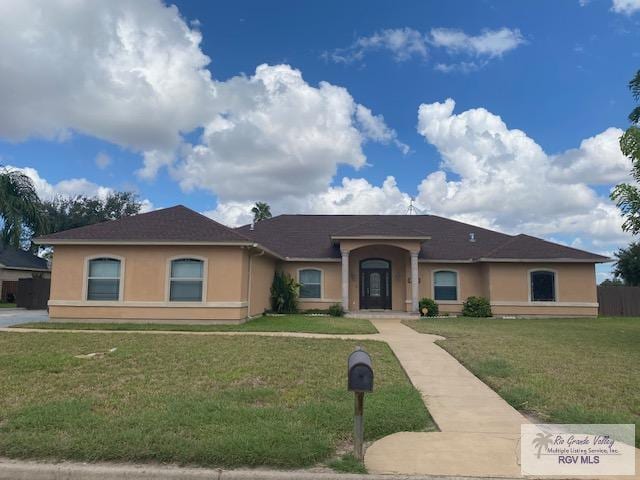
column 543, row 286
column 310, row 281
column 186, row 280
column 374, row 263
column 445, row 286
column 103, row 280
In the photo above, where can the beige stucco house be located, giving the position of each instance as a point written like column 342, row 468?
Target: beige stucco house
column 177, row 265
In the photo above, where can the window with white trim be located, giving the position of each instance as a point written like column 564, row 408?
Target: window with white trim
column 543, row 286
column 445, row 285
column 103, row 279
column 186, row 280
column 310, row 281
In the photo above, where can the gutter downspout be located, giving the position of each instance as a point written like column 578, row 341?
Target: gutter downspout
column 255, row 245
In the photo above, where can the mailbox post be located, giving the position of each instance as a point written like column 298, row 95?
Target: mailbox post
column 359, row 381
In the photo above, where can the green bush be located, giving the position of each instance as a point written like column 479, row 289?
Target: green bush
column 430, row 305
column 336, row 310
column 476, row 307
column 284, row 293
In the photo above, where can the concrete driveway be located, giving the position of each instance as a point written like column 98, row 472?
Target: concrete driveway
column 14, row 316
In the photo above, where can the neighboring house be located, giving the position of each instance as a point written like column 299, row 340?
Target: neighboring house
column 175, row 264
column 16, row 264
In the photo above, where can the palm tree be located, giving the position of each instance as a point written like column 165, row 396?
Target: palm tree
column 542, row 440
column 261, row 211
column 20, row 207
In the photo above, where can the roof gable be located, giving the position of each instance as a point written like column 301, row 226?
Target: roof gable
column 174, row 224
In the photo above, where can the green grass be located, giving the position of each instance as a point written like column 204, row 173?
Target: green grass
column 192, row 400
column 562, row 370
column 348, row 464
column 287, row 323
column 7, row 305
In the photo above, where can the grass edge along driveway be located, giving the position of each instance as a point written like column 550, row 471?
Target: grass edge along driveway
column 243, row 401
column 562, row 370
column 286, row 323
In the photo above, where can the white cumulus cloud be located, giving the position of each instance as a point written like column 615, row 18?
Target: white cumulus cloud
column 71, row 187
column 506, row 180
column 277, row 135
column 627, row 7
column 131, row 73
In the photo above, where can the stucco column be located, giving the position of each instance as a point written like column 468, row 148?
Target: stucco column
column 345, row 280
column 414, row 282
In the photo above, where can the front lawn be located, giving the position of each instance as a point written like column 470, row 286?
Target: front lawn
column 7, row 305
column 563, row 370
column 201, row 400
column 286, row 323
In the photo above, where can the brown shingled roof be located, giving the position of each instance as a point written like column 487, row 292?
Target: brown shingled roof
column 174, row 224
column 309, row 236
column 527, row 247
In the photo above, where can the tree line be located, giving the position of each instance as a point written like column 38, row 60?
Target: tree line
column 24, row 215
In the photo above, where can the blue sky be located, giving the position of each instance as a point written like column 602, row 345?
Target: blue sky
column 116, row 95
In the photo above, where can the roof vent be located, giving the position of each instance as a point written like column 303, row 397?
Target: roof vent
column 472, row 237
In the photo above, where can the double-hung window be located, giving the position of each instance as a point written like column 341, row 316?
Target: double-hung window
column 103, row 280
column 445, row 285
column 186, row 280
column 310, row 281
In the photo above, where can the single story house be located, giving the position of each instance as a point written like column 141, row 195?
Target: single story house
column 16, row 264
column 175, row 264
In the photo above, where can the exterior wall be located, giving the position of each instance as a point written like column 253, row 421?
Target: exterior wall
column 576, row 289
column 145, row 283
column 472, row 281
column 262, row 269
column 331, row 282
column 400, row 274
column 507, row 286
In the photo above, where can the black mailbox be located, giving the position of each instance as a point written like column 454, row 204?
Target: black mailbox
column 360, row 376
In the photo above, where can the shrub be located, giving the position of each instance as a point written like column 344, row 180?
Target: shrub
column 430, row 305
column 336, row 310
column 476, row 307
column 284, row 293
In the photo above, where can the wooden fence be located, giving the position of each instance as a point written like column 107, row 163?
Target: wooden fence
column 33, row 293
column 8, row 291
column 619, row 301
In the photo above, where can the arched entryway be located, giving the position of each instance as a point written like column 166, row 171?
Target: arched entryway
column 375, row 284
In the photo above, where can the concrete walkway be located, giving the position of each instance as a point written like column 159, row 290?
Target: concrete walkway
column 480, row 432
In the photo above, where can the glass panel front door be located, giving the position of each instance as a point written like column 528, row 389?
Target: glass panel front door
column 375, row 291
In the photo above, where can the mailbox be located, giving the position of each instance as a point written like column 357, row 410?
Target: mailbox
column 360, row 373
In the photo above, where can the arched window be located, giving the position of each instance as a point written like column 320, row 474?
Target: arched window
column 543, row 286
column 310, row 280
column 103, row 279
column 186, row 280
column 445, row 285
column 374, row 263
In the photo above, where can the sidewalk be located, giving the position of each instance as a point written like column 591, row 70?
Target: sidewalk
column 25, row 470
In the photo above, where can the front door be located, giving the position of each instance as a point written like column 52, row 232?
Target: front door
column 375, row 284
